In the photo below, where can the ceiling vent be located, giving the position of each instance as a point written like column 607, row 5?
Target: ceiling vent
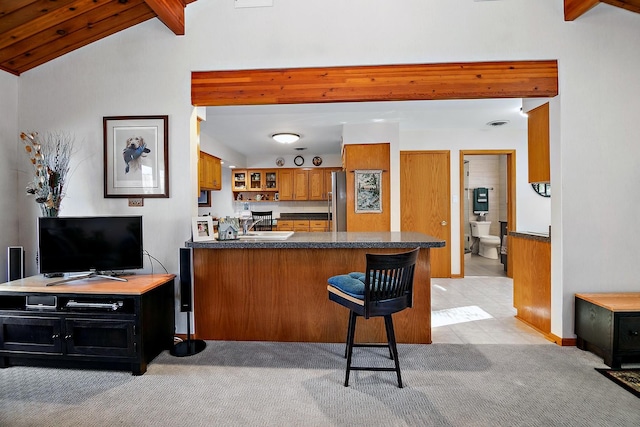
column 300, row 148
column 497, row 123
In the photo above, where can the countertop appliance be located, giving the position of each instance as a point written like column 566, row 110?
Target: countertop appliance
column 338, row 202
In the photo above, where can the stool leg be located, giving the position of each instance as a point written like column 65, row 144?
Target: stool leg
column 389, row 334
column 346, row 345
column 350, row 335
column 392, row 339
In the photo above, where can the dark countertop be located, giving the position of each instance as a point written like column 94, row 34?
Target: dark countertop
column 330, row 240
column 305, row 215
column 531, row 235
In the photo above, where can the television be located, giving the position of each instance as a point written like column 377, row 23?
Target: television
column 100, row 245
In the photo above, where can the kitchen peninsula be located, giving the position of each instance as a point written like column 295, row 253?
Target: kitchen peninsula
column 276, row 290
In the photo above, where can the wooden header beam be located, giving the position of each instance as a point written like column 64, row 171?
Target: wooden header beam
column 476, row 80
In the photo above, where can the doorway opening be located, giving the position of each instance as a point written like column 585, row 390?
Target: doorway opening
column 493, row 171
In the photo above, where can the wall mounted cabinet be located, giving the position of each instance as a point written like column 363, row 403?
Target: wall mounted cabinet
column 538, row 136
column 209, row 172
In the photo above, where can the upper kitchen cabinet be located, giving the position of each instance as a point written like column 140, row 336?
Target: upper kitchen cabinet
column 320, row 183
column 239, row 180
column 538, row 134
column 294, row 184
column 263, row 180
column 209, row 172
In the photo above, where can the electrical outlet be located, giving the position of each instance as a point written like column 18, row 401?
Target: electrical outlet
column 137, row 202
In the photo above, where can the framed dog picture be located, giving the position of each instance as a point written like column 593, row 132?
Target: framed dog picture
column 136, row 156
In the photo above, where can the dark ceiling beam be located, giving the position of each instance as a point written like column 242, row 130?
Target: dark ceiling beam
column 630, row 5
column 170, row 12
column 573, row 9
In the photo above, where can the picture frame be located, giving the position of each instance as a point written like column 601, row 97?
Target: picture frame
column 205, row 199
column 136, row 156
column 202, row 229
column 368, row 191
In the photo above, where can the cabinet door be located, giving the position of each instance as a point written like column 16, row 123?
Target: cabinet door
column 316, row 184
column 301, row 225
column 286, row 184
column 319, row 225
column 271, row 180
column 300, row 184
column 538, row 135
column 327, row 182
column 256, row 179
column 239, row 180
column 30, row 334
column 216, row 174
column 285, row 225
column 114, row 338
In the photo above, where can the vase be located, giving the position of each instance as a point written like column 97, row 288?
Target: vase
column 49, row 212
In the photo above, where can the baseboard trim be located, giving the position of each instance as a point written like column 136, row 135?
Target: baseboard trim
column 564, row 342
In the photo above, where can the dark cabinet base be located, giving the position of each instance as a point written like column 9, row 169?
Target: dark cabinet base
column 612, row 335
column 126, row 338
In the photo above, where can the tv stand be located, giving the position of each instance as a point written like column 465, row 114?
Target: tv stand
column 86, row 276
column 92, row 324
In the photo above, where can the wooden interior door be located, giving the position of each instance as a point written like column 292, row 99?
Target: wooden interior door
column 425, row 194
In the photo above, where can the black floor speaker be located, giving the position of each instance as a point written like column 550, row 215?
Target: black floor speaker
column 188, row 347
column 15, row 263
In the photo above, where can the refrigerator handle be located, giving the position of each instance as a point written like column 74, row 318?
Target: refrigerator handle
column 329, row 197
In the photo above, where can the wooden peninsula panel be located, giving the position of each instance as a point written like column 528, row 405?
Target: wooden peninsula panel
column 531, row 279
column 281, row 295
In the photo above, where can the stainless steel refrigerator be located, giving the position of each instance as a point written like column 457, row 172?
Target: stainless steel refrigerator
column 338, row 202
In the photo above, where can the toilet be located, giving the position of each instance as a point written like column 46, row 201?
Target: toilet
column 489, row 245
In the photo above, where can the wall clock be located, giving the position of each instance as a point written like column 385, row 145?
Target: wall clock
column 299, row 161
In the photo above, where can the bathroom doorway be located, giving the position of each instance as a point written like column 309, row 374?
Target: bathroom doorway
column 493, row 170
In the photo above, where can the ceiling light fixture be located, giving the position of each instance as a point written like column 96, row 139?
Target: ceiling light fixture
column 285, row 138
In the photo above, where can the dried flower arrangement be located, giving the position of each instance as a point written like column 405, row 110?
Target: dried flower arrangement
column 50, row 156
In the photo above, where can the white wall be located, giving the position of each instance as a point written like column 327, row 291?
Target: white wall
column 146, row 70
column 9, row 147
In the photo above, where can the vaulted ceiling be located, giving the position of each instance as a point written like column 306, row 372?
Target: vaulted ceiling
column 33, row 32
column 573, row 9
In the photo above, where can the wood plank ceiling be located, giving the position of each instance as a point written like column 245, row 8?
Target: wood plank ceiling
column 573, row 9
column 33, row 32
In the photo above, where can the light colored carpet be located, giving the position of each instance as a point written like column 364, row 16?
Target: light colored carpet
column 300, row 384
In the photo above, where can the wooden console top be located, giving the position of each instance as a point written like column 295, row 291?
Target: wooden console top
column 622, row 301
column 135, row 285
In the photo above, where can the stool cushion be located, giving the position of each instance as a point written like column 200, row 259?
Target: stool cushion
column 348, row 284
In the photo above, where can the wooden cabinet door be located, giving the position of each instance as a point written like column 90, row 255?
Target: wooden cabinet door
column 327, row 181
column 300, row 184
column 301, row 225
column 285, row 182
column 538, row 135
column 271, row 180
column 256, row 180
column 316, row 184
column 216, row 174
column 239, row 180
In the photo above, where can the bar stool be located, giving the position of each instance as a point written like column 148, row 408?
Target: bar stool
column 385, row 288
column 265, row 218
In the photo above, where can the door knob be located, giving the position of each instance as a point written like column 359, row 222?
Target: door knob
column 443, row 223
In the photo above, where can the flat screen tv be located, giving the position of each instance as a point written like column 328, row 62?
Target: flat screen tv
column 104, row 245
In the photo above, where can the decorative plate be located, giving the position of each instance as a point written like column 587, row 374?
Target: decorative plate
column 299, row 161
column 317, row 161
column 280, row 161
